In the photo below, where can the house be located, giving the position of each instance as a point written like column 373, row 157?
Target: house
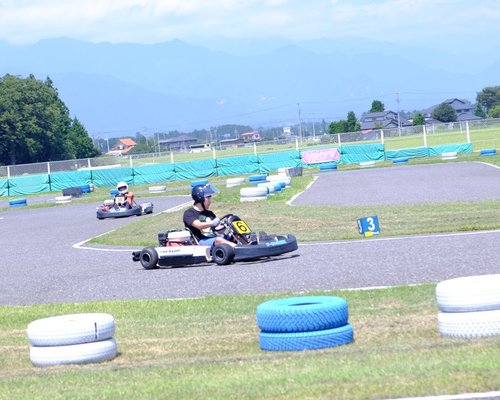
column 251, row 136
column 381, row 120
column 122, row 147
column 179, row 143
column 463, row 109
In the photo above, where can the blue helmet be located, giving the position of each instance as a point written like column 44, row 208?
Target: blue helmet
column 200, row 192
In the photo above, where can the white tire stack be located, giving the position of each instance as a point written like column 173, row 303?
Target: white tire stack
column 469, row 306
column 157, row 189
column 232, row 182
column 253, row 193
column 63, row 199
column 72, row 339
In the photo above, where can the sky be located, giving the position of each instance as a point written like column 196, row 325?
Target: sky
column 433, row 23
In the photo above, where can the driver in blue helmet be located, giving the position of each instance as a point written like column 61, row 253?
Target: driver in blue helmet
column 200, row 220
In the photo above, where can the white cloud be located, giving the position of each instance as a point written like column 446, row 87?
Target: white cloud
column 152, row 21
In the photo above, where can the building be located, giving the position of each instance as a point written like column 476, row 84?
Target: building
column 179, row 143
column 251, row 136
column 463, row 109
column 122, row 147
column 382, row 120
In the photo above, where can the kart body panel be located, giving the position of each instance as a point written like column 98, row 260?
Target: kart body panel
column 105, row 211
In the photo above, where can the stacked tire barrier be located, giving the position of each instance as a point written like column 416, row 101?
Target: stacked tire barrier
column 469, row 306
column 232, row 182
column 253, row 193
column 303, row 323
column 72, row 339
column 488, row 152
column 63, row 199
column 18, row 202
column 157, row 189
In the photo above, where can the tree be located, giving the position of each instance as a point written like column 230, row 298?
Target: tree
column 489, row 97
column 352, row 122
column 495, row 111
column 479, row 111
column 418, row 119
column 377, row 106
column 444, row 113
column 338, row 127
column 35, row 125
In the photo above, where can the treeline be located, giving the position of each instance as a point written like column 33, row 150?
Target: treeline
column 35, row 125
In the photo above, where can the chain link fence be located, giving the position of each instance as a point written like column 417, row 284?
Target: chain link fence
column 478, row 132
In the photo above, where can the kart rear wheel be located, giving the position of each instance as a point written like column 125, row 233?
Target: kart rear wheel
column 149, row 258
column 223, row 254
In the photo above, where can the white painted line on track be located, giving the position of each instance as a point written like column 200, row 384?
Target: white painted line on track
column 289, row 202
column 359, row 241
column 484, row 395
column 80, row 245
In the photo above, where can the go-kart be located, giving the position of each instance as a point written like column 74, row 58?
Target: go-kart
column 116, row 209
column 180, row 247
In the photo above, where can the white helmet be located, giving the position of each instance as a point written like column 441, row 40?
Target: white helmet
column 122, row 187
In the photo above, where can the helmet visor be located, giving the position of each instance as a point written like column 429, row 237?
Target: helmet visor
column 209, row 190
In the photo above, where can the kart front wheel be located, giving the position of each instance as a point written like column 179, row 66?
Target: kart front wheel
column 223, row 254
column 149, row 258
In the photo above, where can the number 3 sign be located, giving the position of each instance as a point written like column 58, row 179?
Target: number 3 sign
column 368, row 226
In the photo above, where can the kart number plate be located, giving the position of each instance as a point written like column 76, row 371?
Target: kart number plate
column 241, row 227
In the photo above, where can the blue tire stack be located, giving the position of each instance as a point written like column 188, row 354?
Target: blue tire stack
column 303, row 323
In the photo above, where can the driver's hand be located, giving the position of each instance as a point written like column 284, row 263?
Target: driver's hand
column 215, row 222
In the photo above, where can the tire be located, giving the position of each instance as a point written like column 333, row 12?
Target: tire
column 257, row 178
column 149, row 258
column 231, row 182
column 302, row 314
column 223, row 254
column 469, row 293
column 298, row 341
column 468, row 325
column 74, row 354
column 253, row 191
column 18, row 202
column 247, row 199
column 71, row 329
column 157, row 189
column 63, row 199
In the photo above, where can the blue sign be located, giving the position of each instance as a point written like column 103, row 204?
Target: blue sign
column 368, row 226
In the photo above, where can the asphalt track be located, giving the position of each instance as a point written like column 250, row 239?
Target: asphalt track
column 45, row 259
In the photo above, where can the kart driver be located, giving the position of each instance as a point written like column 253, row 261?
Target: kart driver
column 123, row 198
column 200, row 220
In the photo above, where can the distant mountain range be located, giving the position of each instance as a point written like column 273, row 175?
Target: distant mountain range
column 117, row 89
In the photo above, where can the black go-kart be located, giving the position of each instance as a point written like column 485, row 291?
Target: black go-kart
column 111, row 210
column 179, row 247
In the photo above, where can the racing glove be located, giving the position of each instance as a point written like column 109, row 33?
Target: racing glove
column 215, row 222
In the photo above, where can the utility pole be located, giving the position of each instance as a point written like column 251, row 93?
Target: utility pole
column 300, row 123
column 399, row 120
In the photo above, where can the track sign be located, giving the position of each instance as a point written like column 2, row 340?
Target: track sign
column 368, row 226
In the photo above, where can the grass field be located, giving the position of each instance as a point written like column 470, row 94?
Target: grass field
column 207, row 348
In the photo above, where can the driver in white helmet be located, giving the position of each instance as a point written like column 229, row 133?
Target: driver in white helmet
column 123, row 198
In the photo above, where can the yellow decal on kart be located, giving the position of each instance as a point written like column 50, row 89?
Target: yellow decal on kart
column 241, row 227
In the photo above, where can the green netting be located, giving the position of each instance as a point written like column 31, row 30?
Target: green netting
column 30, row 184
column 195, row 169
column 237, row 165
column 363, row 152
column 4, row 187
column 63, row 180
column 273, row 161
column 448, row 148
column 110, row 177
column 409, row 153
column 154, row 173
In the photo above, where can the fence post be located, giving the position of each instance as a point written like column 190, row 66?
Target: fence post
column 172, row 157
column 130, row 160
column 8, row 172
column 382, row 135
column 213, row 152
column 467, row 130
column 48, row 168
column 254, row 148
column 425, row 135
column 88, row 162
column 338, row 137
column 296, row 144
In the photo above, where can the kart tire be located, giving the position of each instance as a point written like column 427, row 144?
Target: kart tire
column 74, row 354
column 63, row 199
column 149, row 258
column 297, row 341
column 302, row 314
column 223, row 254
column 468, row 325
column 469, row 293
column 71, row 329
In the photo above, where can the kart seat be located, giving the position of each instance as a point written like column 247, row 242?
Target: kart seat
column 193, row 237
